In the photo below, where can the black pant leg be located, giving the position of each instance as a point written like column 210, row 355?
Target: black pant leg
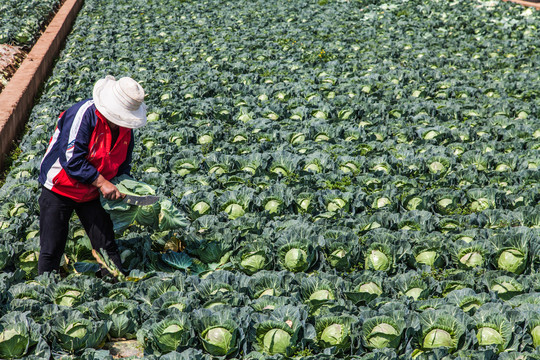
column 99, row 228
column 54, row 214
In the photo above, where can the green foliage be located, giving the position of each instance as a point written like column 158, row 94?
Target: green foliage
column 321, row 161
column 161, row 215
column 20, row 22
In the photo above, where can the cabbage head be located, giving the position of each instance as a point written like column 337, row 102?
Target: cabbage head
column 252, row 257
column 276, row 341
column 172, row 301
column 202, row 207
column 512, row 260
column 19, row 335
column 534, row 329
column 170, row 333
column 440, row 330
column 253, row 261
column 122, row 315
column 379, row 257
column 275, row 337
column 493, row 329
column 506, row 287
column 74, row 332
column 265, row 284
column 334, row 331
column 67, row 295
column 295, row 257
column 234, row 211
column 218, row 340
column 218, row 331
column 382, row 331
column 318, row 292
column 366, row 289
column 471, row 257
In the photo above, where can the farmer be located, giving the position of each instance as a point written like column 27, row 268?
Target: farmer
column 92, row 143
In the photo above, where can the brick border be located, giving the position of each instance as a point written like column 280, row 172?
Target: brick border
column 17, row 98
column 526, row 3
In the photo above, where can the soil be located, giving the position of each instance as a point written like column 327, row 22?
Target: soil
column 10, row 59
column 125, row 349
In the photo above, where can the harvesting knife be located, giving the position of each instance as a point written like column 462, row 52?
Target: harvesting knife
column 140, row 200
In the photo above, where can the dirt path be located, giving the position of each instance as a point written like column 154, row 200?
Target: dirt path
column 10, row 59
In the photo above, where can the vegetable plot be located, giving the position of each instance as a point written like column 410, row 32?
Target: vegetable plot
column 20, row 21
column 349, row 179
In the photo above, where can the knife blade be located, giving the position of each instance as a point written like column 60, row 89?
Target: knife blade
column 140, row 200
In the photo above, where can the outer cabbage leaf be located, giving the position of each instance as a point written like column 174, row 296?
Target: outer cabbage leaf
column 161, row 215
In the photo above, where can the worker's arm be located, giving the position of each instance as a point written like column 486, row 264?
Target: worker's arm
column 75, row 130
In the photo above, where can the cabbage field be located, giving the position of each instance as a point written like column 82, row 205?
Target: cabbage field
column 338, row 179
column 21, row 21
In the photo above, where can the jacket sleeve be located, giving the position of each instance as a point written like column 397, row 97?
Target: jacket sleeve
column 75, row 134
column 125, row 167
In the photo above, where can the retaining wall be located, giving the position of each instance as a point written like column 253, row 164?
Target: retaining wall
column 17, row 98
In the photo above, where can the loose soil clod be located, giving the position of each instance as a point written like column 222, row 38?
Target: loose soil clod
column 10, row 59
column 125, row 349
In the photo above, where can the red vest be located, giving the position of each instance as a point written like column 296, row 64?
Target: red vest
column 100, row 155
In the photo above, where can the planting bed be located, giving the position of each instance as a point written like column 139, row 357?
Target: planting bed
column 21, row 23
column 10, row 59
column 18, row 97
column 346, row 179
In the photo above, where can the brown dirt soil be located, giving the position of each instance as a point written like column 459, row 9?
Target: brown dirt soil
column 10, row 59
column 125, row 349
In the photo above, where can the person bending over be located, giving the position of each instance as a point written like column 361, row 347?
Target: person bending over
column 92, row 143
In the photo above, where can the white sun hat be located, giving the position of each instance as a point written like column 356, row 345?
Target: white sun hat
column 121, row 102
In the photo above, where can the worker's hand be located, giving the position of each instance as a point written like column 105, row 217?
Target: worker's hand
column 107, row 189
column 110, row 192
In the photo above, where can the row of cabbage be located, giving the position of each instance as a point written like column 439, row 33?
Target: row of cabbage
column 271, row 313
column 21, row 21
column 383, row 242
column 336, row 161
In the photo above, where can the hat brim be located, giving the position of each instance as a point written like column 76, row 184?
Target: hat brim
column 113, row 111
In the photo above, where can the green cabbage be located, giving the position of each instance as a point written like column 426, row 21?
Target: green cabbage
column 201, row 207
column 234, row 211
column 13, row 342
column 382, row 335
column 296, row 260
column 438, row 338
column 472, row 259
column 333, row 334
column 276, row 341
column 377, row 260
column 322, row 294
column 170, row 334
column 370, row 288
column 489, row 336
column 253, row 261
column 512, row 260
column 218, row 341
column 428, row 257
column 272, row 206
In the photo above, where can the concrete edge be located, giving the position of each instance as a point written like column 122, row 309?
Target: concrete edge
column 526, row 3
column 17, row 98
